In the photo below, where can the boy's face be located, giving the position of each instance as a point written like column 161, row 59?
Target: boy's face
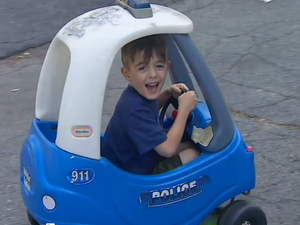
column 147, row 79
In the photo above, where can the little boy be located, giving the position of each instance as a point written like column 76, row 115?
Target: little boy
column 134, row 138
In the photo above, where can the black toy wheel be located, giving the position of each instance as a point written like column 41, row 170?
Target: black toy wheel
column 31, row 219
column 241, row 212
column 218, row 211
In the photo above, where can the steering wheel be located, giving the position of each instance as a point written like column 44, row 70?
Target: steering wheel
column 174, row 102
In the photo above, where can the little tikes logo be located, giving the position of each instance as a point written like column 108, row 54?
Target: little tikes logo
column 174, row 194
column 82, row 131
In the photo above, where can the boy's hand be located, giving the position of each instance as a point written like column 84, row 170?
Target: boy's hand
column 187, row 101
column 176, row 89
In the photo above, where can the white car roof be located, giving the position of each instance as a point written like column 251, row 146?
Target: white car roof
column 76, row 68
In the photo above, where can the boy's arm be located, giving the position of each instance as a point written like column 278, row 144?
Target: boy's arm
column 169, row 147
column 163, row 98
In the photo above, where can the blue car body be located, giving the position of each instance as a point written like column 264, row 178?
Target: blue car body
column 93, row 192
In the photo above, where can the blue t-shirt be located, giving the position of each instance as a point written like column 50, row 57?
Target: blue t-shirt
column 133, row 132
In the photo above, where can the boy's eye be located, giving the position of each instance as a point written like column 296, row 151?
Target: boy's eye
column 142, row 68
column 160, row 66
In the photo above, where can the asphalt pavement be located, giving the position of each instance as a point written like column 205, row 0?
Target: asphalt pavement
column 251, row 47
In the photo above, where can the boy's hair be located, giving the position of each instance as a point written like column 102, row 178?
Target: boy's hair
column 147, row 45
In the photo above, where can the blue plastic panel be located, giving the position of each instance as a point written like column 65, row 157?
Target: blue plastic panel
column 108, row 195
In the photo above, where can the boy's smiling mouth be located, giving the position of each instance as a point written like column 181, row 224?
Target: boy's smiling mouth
column 152, row 87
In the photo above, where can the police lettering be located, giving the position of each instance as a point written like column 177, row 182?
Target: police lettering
column 173, row 194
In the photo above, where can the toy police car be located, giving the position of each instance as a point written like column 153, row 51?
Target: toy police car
column 64, row 179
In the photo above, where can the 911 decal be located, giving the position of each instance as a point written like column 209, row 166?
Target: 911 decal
column 174, row 194
column 81, row 177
